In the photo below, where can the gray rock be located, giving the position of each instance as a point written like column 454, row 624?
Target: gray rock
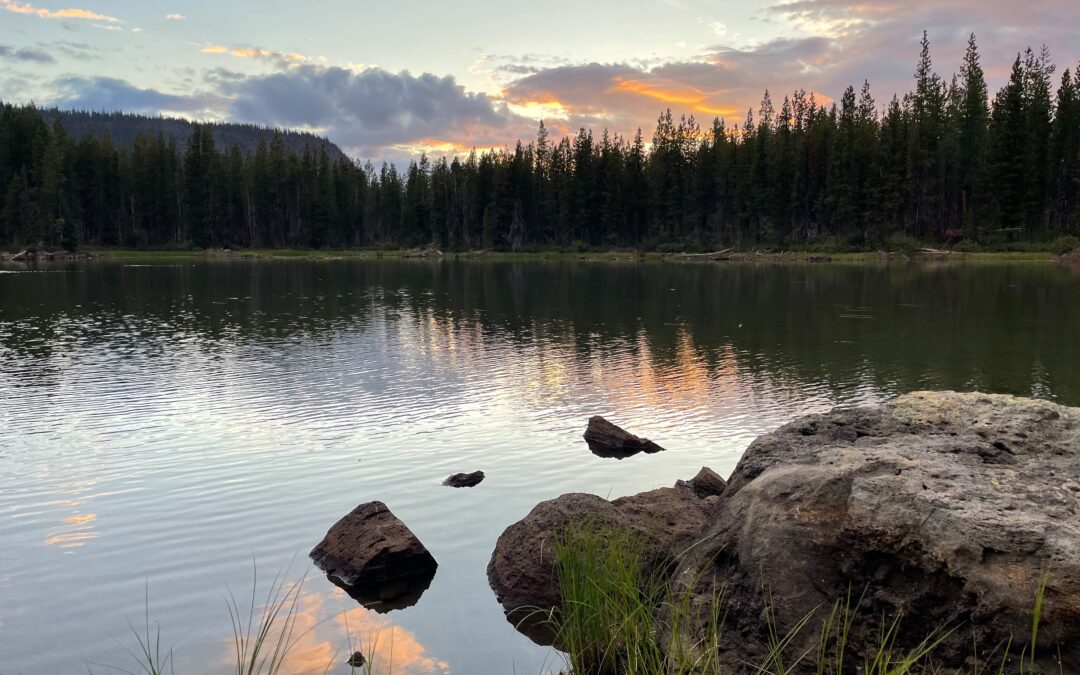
column 374, row 555
column 946, row 507
column 464, row 480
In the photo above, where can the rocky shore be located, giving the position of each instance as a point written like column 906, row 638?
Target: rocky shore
column 943, row 510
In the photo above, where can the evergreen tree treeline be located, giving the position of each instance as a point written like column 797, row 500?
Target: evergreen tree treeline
column 944, row 163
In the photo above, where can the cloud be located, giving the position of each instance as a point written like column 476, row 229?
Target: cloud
column 825, row 45
column 80, row 51
column 370, row 110
column 108, row 93
column 175, row 17
column 31, row 10
column 829, row 45
column 27, row 55
column 278, row 59
column 372, row 113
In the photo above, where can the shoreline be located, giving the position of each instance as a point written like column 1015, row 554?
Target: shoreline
column 626, row 256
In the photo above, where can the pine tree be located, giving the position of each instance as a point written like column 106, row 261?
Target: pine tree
column 973, row 130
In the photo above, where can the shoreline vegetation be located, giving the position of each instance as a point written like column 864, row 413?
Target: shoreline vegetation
column 1040, row 254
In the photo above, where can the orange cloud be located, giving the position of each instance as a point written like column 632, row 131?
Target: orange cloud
column 249, row 53
column 290, row 58
column 695, row 99
column 31, row 10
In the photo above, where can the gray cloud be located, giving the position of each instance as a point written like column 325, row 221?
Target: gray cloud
column 370, row 109
column 366, row 112
column 107, row 93
column 76, row 50
column 27, row 55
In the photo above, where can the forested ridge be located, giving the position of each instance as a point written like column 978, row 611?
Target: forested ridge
column 123, row 128
column 945, row 163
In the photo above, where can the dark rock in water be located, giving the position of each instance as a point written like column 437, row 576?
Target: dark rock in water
column 374, row 556
column 521, row 570
column 947, row 508
column 464, row 480
column 24, row 256
column 820, row 259
column 356, row 660
column 608, row 440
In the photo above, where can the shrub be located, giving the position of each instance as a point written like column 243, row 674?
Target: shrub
column 902, row 243
column 1063, row 245
column 967, row 246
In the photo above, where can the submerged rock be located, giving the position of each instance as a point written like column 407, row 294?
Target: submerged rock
column 464, row 480
column 608, row 440
column 947, row 508
column 376, row 558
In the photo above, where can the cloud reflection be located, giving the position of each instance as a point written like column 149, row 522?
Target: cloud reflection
column 324, row 638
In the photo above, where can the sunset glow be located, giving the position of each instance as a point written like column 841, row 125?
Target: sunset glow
column 617, row 66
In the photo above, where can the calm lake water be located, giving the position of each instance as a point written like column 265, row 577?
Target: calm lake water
column 167, row 428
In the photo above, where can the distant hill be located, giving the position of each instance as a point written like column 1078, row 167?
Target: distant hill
column 124, row 127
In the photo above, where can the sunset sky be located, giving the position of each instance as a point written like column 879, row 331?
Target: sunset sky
column 389, row 79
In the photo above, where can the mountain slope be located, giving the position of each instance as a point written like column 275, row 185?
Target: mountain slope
column 124, row 127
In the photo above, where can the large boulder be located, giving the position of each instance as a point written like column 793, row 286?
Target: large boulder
column 522, row 567
column 375, row 557
column 947, row 508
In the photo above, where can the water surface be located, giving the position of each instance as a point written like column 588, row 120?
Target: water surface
column 166, row 427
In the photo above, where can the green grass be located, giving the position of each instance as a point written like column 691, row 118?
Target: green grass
column 619, row 618
column 608, row 623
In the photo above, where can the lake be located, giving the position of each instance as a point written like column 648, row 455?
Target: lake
column 173, row 430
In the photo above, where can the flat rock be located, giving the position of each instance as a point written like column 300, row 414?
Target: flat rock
column 947, row 508
column 374, row 556
column 608, row 440
column 464, row 480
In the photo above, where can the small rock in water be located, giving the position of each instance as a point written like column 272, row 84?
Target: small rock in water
column 464, row 480
column 608, row 440
column 356, row 660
